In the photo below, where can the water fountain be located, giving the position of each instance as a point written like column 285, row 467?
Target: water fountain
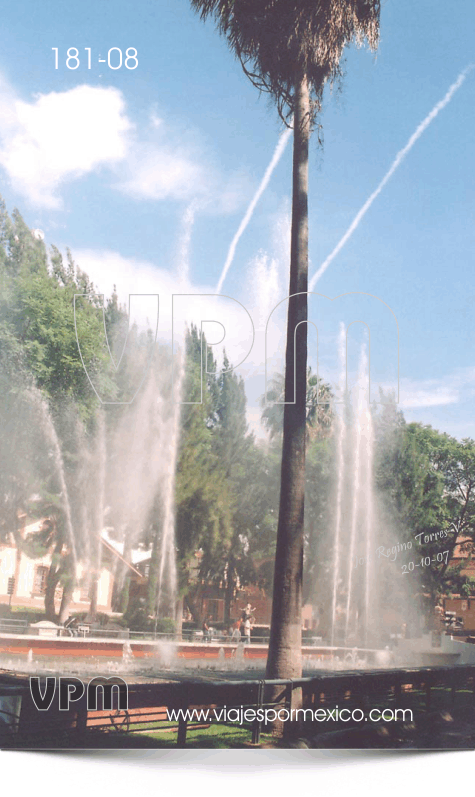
column 141, row 471
column 123, row 467
column 47, row 424
column 114, row 470
column 127, row 654
column 131, row 458
column 353, row 589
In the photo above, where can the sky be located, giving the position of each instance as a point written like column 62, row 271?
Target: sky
column 147, row 174
column 150, row 174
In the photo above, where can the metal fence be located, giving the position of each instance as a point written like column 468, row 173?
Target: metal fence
column 85, row 630
column 146, row 721
column 8, row 626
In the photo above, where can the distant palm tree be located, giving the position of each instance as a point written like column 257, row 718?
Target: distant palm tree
column 318, row 406
column 291, row 48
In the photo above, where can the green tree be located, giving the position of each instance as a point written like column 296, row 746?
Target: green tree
column 319, row 475
column 426, row 482
column 453, row 463
column 45, row 391
column 37, row 307
column 203, row 524
column 291, row 50
column 318, row 539
column 319, row 414
column 244, row 468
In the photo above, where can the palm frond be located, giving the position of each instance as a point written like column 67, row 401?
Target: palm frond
column 279, row 41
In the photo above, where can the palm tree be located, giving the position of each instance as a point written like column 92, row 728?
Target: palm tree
column 291, row 48
column 319, row 409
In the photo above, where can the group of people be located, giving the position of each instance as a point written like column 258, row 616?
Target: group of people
column 240, row 629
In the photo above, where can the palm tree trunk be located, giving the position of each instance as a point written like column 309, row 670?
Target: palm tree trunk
column 228, row 599
column 193, row 607
column 229, row 590
column 92, row 613
column 285, row 652
column 125, row 578
column 153, row 575
column 52, row 580
column 68, row 590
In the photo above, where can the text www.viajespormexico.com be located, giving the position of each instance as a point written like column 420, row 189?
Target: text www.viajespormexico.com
column 243, row 715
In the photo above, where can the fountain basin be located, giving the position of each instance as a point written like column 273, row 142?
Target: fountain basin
column 114, row 648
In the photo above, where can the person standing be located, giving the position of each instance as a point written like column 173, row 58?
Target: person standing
column 247, row 630
column 247, row 612
column 236, row 635
column 206, row 630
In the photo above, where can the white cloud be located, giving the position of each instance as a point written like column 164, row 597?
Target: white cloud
column 60, row 136
column 428, row 394
column 168, row 163
column 454, row 388
column 161, row 171
column 130, row 275
column 155, row 120
column 133, row 276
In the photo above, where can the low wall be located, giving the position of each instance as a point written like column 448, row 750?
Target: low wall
column 114, row 648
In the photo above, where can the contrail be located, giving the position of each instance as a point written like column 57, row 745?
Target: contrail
column 397, row 161
column 279, row 151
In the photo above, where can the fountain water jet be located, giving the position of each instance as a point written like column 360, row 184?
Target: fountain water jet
column 340, row 475
column 352, row 588
column 48, row 426
column 167, row 580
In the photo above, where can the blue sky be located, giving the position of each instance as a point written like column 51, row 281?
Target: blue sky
column 143, row 172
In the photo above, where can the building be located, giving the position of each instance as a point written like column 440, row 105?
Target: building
column 23, row 579
column 210, row 600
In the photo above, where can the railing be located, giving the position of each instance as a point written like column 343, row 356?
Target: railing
column 146, row 722
column 13, row 626
column 85, row 631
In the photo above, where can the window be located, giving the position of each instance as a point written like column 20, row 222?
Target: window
column 213, row 609
column 39, row 581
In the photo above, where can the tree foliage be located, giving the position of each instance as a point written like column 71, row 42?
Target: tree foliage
column 426, row 482
column 278, row 41
column 45, row 391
